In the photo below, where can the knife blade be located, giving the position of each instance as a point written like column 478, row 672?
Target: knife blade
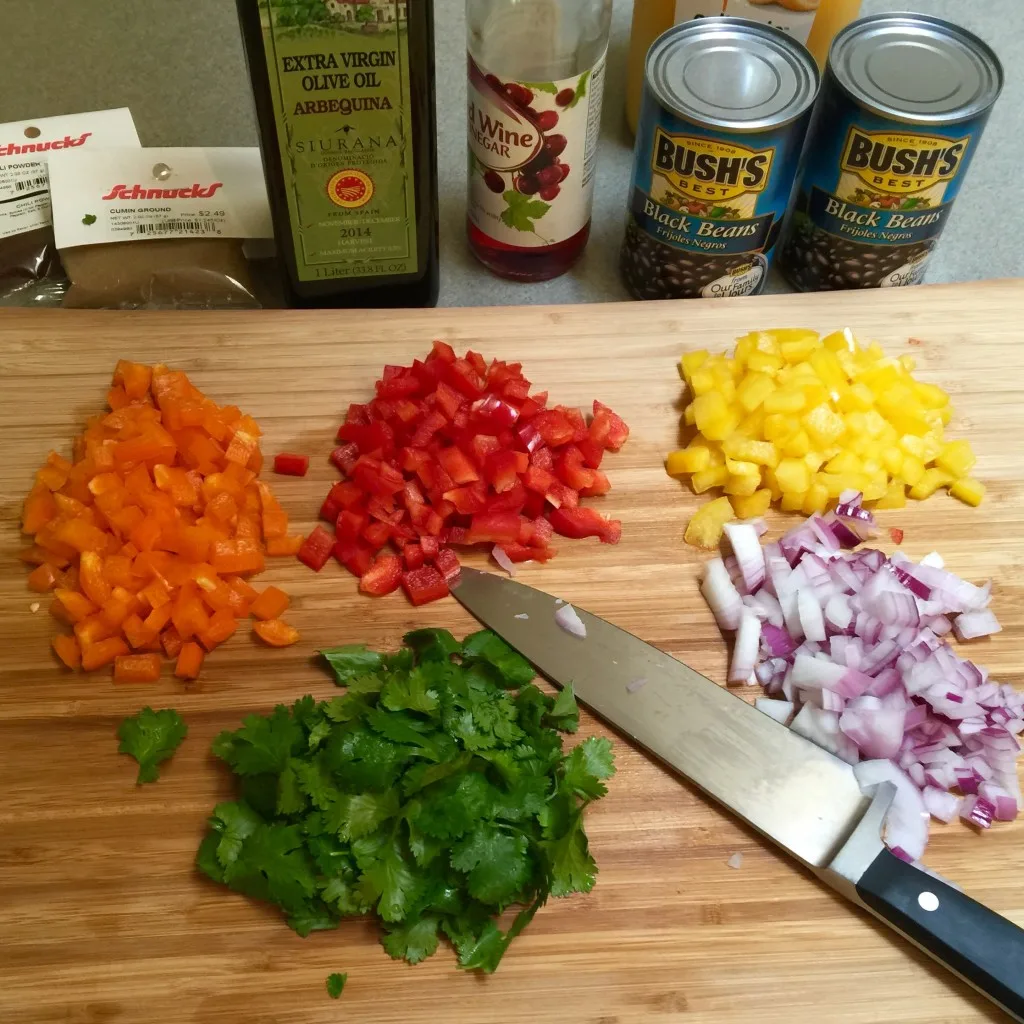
column 800, row 796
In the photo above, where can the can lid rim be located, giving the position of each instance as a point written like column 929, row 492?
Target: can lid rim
column 801, row 59
column 973, row 43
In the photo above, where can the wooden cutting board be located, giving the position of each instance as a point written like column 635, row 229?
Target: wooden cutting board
column 102, row 918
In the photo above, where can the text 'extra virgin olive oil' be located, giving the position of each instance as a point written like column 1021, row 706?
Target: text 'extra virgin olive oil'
column 344, row 94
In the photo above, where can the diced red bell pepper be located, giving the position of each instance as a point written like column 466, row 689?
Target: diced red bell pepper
column 517, row 390
column 289, row 464
column 575, row 417
column 398, row 385
column 370, row 437
column 463, row 377
column 427, row 428
column 494, row 528
column 316, row 549
column 424, row 585
column 357, row 414
column 412, row 494
column 529, row 436
column 457, row 465
column 382, row 577
column 600, row 485
column 413, row 555
column 482, row 445
column 570, row 469
column 592, row 453
column 458, row 535
column 502, row 469
column 443, row 351
column 377, row 534
column 543, row 458
column 537, row 479
column 608, row 429
column 534, row 505
column 354, row 555
column 350, row 525
column 523, row 553
column 414, row 459
column 434, row 524
column 406, row 410
column 511, row 501
column 477, row 361
column 344, row 457
column 561, row 496
column 468, row 500
column 553, row 427
column 447, row 563
column 431, row 546
column 585, row 522
column 448, row 399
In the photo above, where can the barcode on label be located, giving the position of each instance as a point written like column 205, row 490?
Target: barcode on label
column 31, row 183
column 179, row 227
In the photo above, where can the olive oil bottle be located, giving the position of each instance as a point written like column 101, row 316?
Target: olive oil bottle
column 344, row 93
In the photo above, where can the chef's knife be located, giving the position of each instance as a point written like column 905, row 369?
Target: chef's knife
column 796, row 794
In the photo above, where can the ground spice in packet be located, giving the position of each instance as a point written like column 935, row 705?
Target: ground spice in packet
column 159, row 228
column 28, row 256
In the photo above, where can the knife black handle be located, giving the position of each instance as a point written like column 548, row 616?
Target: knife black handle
column 984, row 948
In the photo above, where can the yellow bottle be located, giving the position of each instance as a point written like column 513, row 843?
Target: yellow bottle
column 814, row 22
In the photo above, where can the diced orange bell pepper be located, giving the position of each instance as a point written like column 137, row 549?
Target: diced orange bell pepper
column 137, row 668
column 248, row 528
column 158, row 618
column 222, row 508
column 92, row 630
column 39, row 509
column 43, row 578
column 35, row 555
column 53, row 477
column 284, row 545
column 271, row 604
column 76, row 606
column 229, row 558
column 117, row 608
column 117, row 571
column 93, row 582
column 126, row 519
column 171, row 642
column 177, row 483
column 134, row 378
column 81, row 535
column 136, row 632
column 275, row 524
column 103, row 653
column 68, row 650
column 242, row 447
column 147, row 533
column 240, row 477
column 221, row 627
column 189, row 616
column 276, row 633
column 156, row 594
column 190, row 661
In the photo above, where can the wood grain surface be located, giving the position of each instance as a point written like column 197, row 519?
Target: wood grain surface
column 102, row 918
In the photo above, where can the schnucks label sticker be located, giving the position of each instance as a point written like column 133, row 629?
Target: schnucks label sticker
column 129, row 195
column 25, row 151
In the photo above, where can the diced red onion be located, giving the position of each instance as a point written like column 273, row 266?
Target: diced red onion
column 503, row 560
column 906, row 824
column 746, row 546
column 722, row 597
column 971, row 625
column 567, row 618
column 852, row 642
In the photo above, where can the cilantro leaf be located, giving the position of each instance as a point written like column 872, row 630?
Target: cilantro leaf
column 391, row 882
column 432, row 644
column 411, row 693
column 487, row 646
column 351, row 661
column 497, row 863
column 565, row 713
column 522, row 211
column 359, row 814
column 413, row 941
column 336, row 984
column 572, row 867
column 263, row 744
column 586, row 765
column 151, row 737
column 235, row 822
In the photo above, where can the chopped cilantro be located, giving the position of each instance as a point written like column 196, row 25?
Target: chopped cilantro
column 151, row 737
column 434, row 793
column 336, row 984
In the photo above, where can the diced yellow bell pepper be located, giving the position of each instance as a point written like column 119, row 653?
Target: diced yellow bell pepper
column 814, row 460
column 792, row 501
column 692, row 361
column 909, row 363
column 835, row 484
column 764, row 363
column 752, row 506
column 753, row 425
column 714, row 419
column 816, row 500
column 689, row 415
column 705, row 528
column 912, row 445
column 875, row 487
column 836, row 342
column 968, row 490
column 787, row 400
column 798, row 345
column 956, row 458
column 932, row 446
column 932, row 480
column 828, row 369
column 856, row 398
column 764, row 453
column 797, row 446
column 931, row 396
column 793, row 476
column 702, row 381
column 766, row 341
column 742, row 484
column 688, row 460
column 912, row 471
column 892, row 459
column 844, row 462
column 738, row 467
column 777, row 427
column 895, row 496
column 823, row 426
column 705, row 479
column 754, row 389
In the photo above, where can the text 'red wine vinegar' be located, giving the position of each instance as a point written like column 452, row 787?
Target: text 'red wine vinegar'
column 536, row 78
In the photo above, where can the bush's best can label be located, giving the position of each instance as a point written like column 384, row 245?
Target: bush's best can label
column 887, row 153
column 725, row 112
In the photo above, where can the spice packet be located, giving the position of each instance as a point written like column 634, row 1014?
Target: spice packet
column 28, row 257
column 158, row 228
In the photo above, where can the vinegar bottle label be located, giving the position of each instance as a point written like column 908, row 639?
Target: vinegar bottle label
column 532, row 149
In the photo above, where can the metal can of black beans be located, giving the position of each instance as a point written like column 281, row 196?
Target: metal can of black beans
column 725, row 111
column 903, row 106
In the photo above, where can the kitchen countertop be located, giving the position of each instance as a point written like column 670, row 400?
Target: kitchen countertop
column 179, row 67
